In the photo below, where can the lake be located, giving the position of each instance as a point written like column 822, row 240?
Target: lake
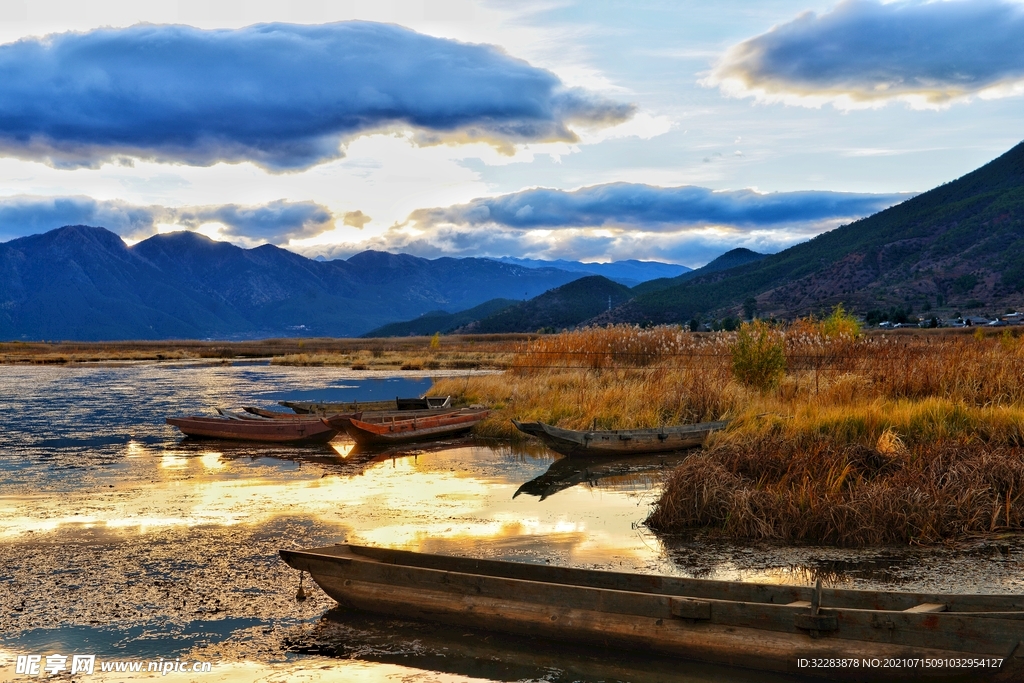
column 122, row 540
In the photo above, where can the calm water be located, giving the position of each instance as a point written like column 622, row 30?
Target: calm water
column 120, row 539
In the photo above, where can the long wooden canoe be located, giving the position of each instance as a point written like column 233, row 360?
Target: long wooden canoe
column 321, row 408
column 326, row 408
column 396, row 428
column 832, row 634
column 342, row 420
column 620, row 441
column 256, row 429
column 276, row 414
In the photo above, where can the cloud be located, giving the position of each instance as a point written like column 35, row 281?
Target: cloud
column 279, row 95
column 356, row 219
column 864, row 53
column 276, row 222
column 652, row 208
column 27, row 215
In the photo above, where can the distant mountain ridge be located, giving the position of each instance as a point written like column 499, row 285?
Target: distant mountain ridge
column 587, row 300
column 630, row 272
column 443, row 322
column 730, row 259
column 85, row 283
column 557, row 309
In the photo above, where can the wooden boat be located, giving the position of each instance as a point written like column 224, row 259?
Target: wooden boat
column 325, row 408
column 320, row 408
column 254, row 411
column 833, row 634
column 396, row 428
column 620, row 441
column 424, row 402
column 341, row 420
column 255, row 429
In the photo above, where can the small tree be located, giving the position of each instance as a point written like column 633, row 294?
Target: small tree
column 759, row 356
column 749, row 308
column 435, row 341
column 840, row 324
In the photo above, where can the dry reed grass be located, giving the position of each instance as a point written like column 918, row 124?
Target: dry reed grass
column 867, row 439
column 614, row 378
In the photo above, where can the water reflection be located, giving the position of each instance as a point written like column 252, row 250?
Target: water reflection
column 568, row 472
column 464, row 651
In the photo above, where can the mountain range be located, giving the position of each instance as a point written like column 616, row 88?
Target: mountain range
column 85, row 283
column 569, row 305
column 629, row 273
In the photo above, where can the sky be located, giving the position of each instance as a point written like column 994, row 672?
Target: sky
column 591, row 131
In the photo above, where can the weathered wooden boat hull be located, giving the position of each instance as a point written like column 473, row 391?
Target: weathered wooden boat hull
column 264, row 430
column 879, row 635
column 326, row 408
column 277, row 415
column 423, row 403
column 342, row 420
column 620, row 442
column 424, row 428
column 321, row 408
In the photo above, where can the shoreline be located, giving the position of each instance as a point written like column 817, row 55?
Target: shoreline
column 458, row 352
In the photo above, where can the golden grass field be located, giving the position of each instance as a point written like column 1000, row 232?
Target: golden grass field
column 836, row 437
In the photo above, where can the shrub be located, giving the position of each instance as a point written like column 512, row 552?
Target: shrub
column 759, row 356
column 840, row 325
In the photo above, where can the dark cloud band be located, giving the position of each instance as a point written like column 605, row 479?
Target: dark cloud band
column 654, row 208
column 283, row 96
column 865, row 52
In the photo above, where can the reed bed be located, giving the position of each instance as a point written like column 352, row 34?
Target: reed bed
column 609, row 378
column 859, row 440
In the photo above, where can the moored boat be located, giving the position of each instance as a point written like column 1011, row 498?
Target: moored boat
column 341, row 420
column 327, row 408
column 255, row 429
column 833, row 634
column 620, row 441
column 393, row 428
column 423, row 402
column 256, row 412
